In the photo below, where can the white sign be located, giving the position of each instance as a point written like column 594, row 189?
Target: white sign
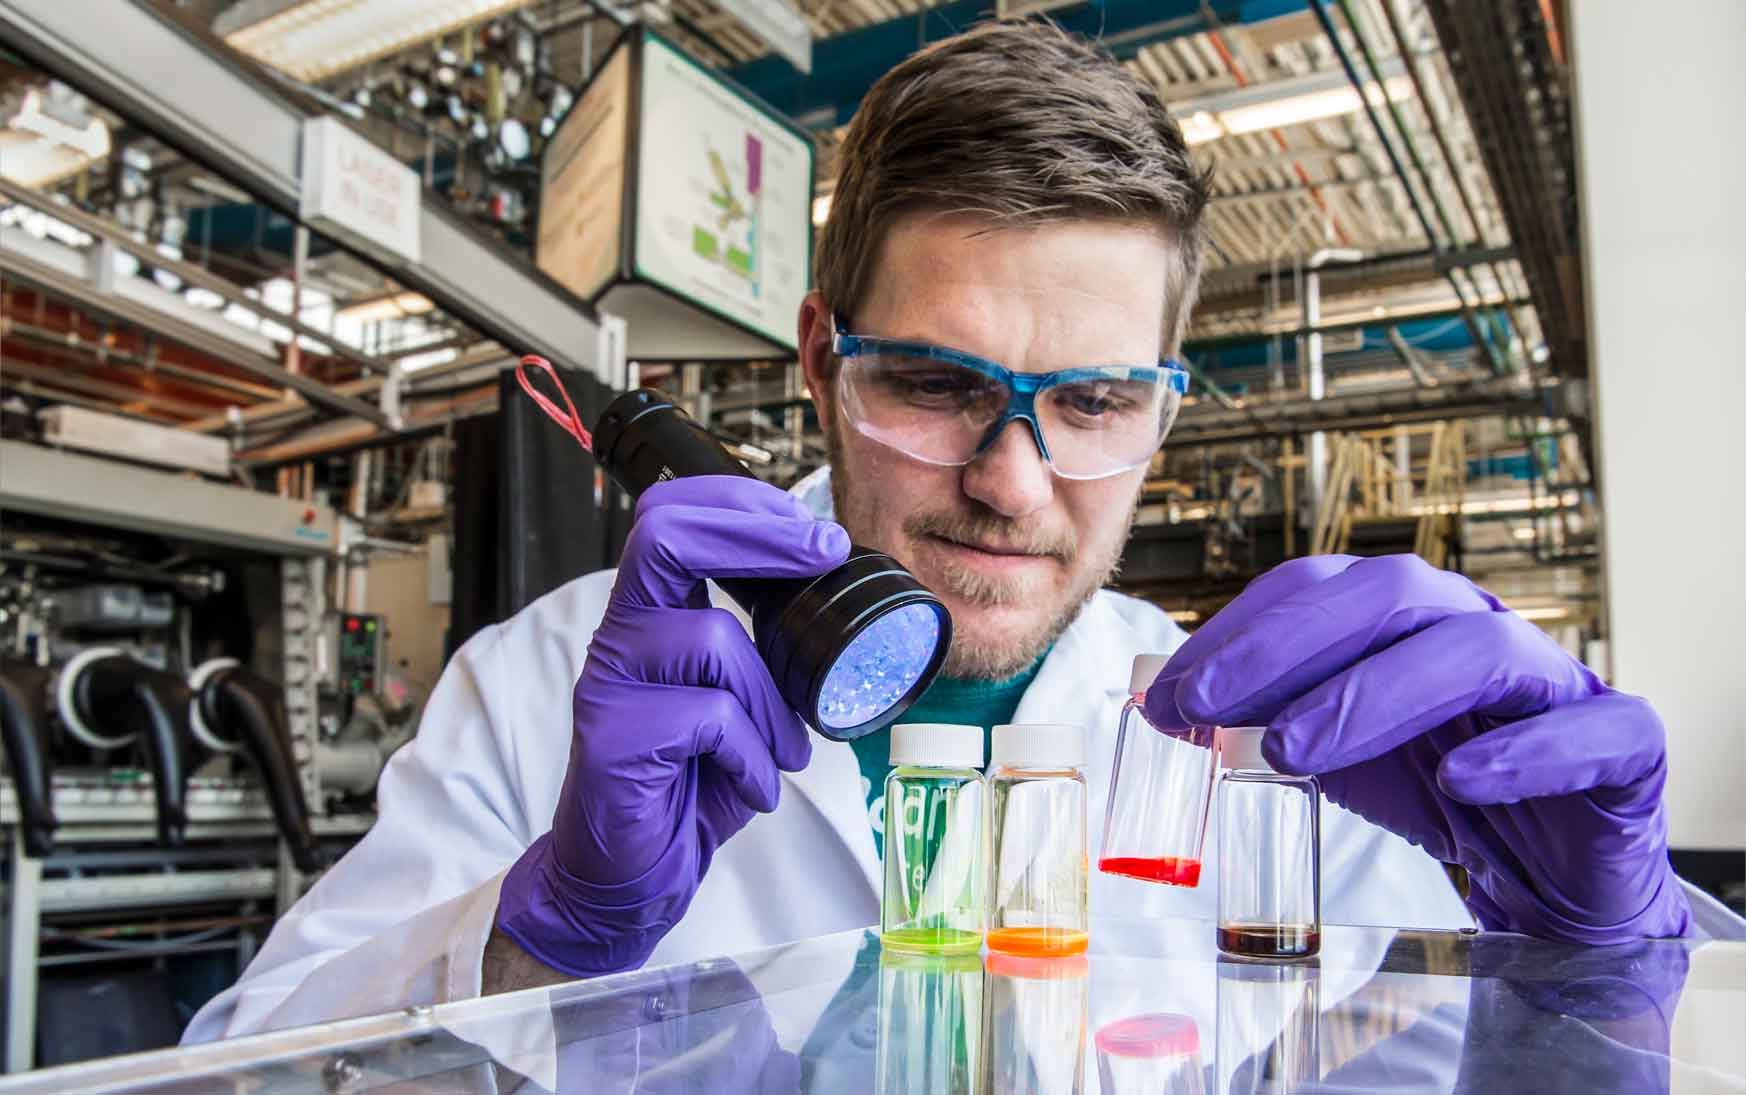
column 724, row 197
column 357, row 192
column 778, row 24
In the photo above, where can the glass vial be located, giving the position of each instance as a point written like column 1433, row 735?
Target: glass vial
column 935, row 841
column 930, row 1024
column 1270, row 854
column 1268, row 1040
column 1160, row 789
column 1157, row 1053
column 1035, row 1014
column 1038, row 792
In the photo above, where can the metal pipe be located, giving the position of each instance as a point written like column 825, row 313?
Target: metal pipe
column 1275, row 350
column 1410, row 359
column 1317, row 455
column 82, row 292
column 187, row 271
column 227, row 387
column 1412, row 147
column 1437, row 134
column 1319, row 7
column 1399, row 122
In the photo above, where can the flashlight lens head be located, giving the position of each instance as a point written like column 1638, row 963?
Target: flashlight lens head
column 880, row 666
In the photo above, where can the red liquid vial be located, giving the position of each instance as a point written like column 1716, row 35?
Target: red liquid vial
column 1160, row 789
column 1270, row 940
column 1175, row 870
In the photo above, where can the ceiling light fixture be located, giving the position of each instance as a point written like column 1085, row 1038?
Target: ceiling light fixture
column 396, row 306
column 1282, row 103
column 314, row 39
column 1543, row 612
column 45, row 141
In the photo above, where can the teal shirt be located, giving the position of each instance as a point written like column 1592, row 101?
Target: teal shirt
column 949, row 699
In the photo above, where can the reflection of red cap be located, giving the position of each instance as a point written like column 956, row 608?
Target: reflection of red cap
column 1037, row 969
column 1156, row 1035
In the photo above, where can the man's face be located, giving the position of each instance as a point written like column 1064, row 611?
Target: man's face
column 1012, row 549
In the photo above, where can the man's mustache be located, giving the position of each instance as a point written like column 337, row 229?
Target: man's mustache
column 996, row 533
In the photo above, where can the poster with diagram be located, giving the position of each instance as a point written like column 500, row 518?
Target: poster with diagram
column 724, row 197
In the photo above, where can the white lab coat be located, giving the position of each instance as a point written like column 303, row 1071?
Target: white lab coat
column 403, row 918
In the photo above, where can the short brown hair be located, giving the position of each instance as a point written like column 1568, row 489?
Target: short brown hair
column 1020, row 123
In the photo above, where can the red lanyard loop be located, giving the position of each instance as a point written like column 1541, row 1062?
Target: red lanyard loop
column 566, row 417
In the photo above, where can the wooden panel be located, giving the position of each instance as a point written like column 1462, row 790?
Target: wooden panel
column 582, row 184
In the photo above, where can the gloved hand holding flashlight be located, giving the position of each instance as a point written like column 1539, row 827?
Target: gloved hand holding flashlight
column 679, row 731
column 1428, row 708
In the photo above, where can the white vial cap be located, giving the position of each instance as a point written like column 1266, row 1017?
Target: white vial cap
column 937, row 744
column 1240, row 747
column 1146, row 670
column 1039, row 745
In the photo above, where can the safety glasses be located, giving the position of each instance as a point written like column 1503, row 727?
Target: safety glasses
column 944, row 406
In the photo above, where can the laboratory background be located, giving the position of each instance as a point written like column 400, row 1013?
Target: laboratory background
column 270, row 454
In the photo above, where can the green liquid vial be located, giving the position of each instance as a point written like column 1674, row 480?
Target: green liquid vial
column 930, row 1024
column 935, row 841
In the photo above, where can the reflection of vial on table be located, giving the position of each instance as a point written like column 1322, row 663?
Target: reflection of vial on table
column 1269, row 1028
column 1159, row 788
column 1270, row 853
column 1038, row 795
column 1153, row 1054
column 1033, row 1031
column 930, row 1022
column 935, row 863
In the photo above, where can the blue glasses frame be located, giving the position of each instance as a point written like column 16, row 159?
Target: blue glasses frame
column 1024, row 387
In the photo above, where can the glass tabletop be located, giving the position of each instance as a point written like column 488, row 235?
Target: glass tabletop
column 1152, row 1008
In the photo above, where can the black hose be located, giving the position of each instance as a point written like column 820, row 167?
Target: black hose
column 246, row 707
column 134, row 698
column 23, row 707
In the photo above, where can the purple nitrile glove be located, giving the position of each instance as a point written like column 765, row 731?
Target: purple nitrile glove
column 1428, row 708
column 679, row 730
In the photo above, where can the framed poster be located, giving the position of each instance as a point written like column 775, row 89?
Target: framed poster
column 675, row 199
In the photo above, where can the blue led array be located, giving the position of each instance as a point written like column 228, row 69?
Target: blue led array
column 879, row 666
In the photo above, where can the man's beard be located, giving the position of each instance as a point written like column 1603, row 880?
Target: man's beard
column 981, row 657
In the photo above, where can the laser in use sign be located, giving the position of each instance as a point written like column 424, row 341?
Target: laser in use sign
column 358, row 193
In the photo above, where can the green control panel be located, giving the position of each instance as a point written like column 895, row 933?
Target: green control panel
column 360, row 653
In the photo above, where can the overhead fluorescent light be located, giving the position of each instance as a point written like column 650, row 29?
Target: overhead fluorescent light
column 412, row 363
column 398, row 306
column 1312, row 107
column 1542, row 612
column 1283, row 103
column 44, row 142
column 1200, row 127
column 1184, row 615
column 314, row 39
column 61, row 125
column 1515, row 503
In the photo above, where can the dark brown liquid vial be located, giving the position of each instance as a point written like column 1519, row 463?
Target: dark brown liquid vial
column 1270, row 940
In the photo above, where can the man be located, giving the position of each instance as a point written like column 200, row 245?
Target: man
column 1010, row 203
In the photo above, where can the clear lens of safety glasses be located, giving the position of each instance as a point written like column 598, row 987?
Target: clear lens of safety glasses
column 1106, row 420
column 1094, row 422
